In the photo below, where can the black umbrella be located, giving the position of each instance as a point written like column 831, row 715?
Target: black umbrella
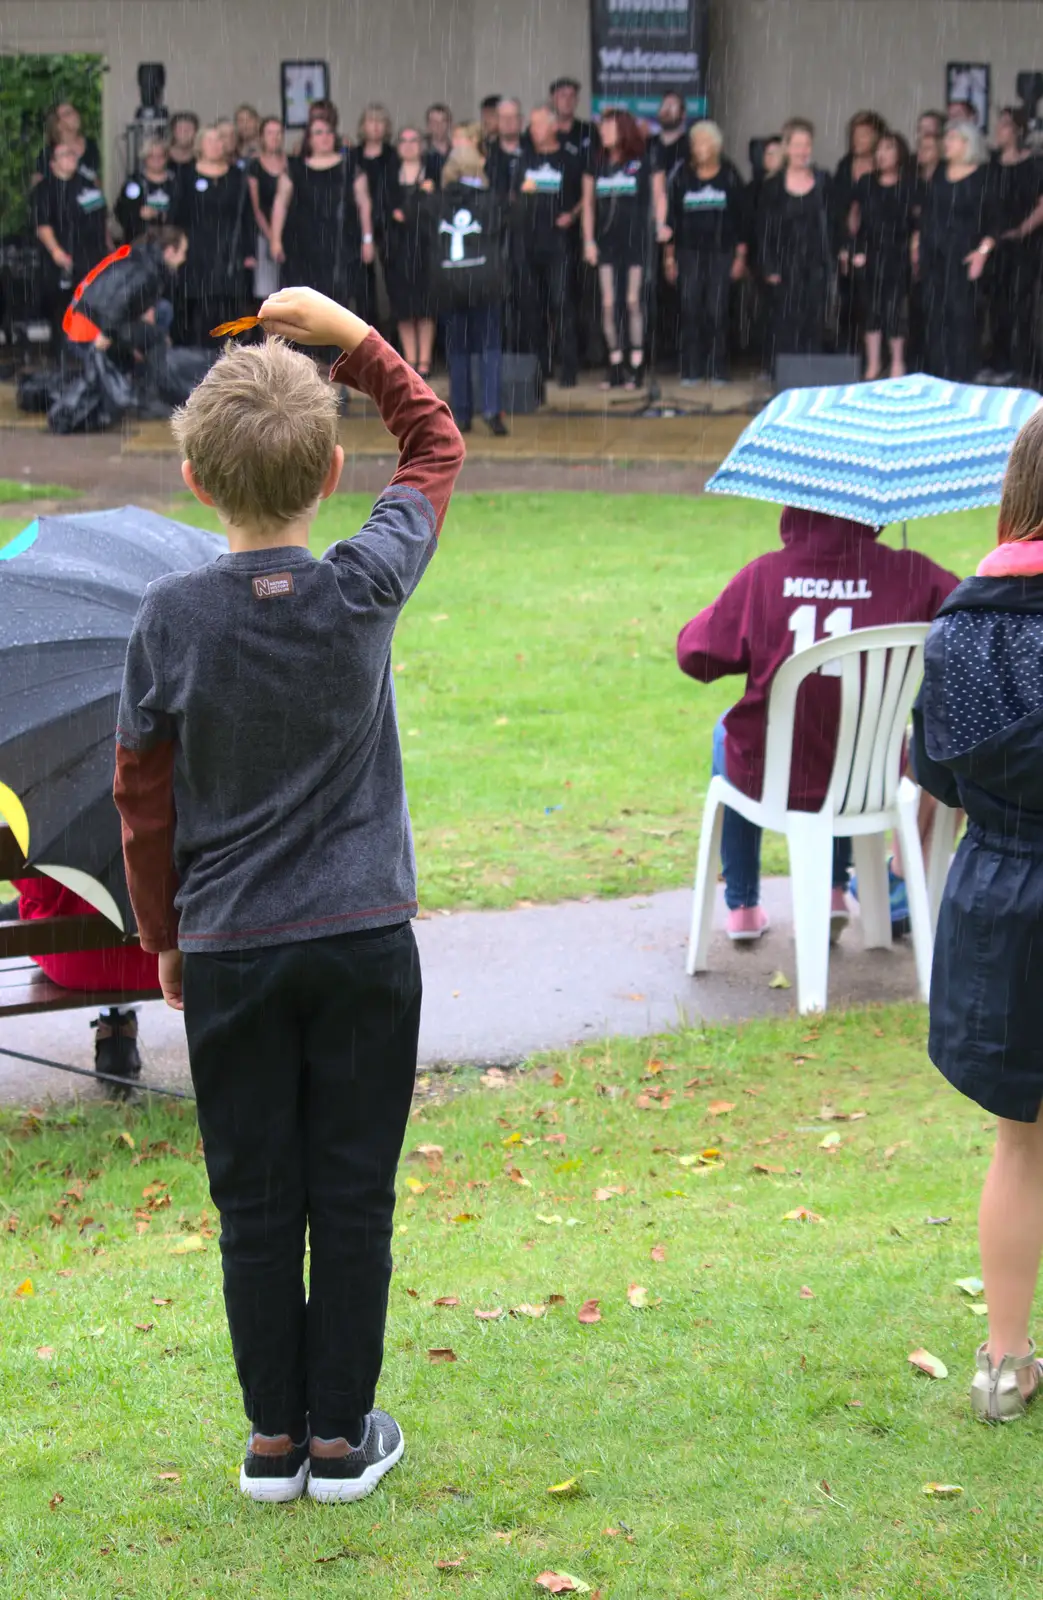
column 69, row 591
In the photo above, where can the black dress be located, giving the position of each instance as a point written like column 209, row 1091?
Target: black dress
column 382, row 176
column 955, row 217
column 797, row 247
column 408, row 255
column 159, row 194
column 884, row 234
column 215, row 213
column 323, row 236
column 1015, row 268
column 75, row 209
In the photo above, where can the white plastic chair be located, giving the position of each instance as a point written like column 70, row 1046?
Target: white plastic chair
column 880, row 671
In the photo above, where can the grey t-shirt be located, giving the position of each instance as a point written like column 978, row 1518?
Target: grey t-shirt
column 271, row 672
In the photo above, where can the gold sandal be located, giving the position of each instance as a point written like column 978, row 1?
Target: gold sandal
column 995, row 1393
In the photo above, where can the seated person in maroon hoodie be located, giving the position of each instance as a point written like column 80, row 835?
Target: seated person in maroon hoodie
column 830, row 578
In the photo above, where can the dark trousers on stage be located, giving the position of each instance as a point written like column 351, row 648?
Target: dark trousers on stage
column 548, row 309
column 303, row 1059
column 952, row 321
column 1012, row 308
column 704, row 279
column 467, row 333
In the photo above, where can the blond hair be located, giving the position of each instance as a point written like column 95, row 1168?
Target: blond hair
column 1021, row 508
column 259, row 433
column 464, row 162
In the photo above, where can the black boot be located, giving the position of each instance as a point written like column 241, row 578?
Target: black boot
column 116, row 1047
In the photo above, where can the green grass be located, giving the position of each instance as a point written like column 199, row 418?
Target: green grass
column 552, row 747
column 17, row 489
column 708, row 1423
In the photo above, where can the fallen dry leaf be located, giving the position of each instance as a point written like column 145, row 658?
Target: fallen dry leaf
column 555, row 1138
column 830, row 1142
column 972, row 1286
column 607, row 1194
column 494, row 1079
column 445, row 1565
column 557, row 1082
column 429, row 1152
column 720, row 1108
column 144, row 1327
column 762, row 1166
column 466, row 1216
column 588, row 1311
column 414, row 1294
column 441, row 1355
column 658, row 1252
column 637, row 1295
column 548, row 1222
column 505, row 1538
column 555, row 1299
column 943, row 1491
column 45, row 1352
column 416, row 1187
column 158, row 1302
column 55, row 1501
column 230, row 329
column 806, row 1293
column 169, row 1477
column 925, row 1362
column 515, row 1176
column 570, row 1486
column 527, row 1310
column 801, row 1214
column 25, row 1289
column 189, row 1246
column 446, row 1300
column 562, row 1583
column 489, row 1316
column 779, row 980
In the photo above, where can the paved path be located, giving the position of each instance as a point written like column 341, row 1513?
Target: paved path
column 503, row 985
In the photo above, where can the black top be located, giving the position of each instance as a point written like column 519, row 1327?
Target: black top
column 621, row 193
column 707, row 213
column 214, row 213
column 501, row 166
column 158, row 194
column 669, row 156
column 957, row 216
column 382, row 176
column 1017, row 189
column 75, row 208
column 794, row 236
column 886, row 221
column 843, row 194
column 467, row 248
column 90, row 161
column 267, row 184
column 545, row 186
column 434, row 161
column 581, row 139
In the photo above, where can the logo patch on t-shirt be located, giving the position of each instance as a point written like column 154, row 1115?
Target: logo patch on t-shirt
column 272, row 585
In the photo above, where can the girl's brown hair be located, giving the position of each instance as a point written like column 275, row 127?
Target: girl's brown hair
column 1021, row 508
column 630, row 141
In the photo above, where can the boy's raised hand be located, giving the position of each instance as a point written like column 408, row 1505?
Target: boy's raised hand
column 307, row 317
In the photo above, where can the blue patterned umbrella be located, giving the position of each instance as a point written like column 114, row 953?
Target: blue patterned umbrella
column 879, row 452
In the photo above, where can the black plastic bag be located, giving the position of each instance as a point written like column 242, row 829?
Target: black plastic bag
column 36, row 392
column 93, row 402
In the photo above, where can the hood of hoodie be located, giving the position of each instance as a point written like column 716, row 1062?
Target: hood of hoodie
column 983, row 691
column 798, row 526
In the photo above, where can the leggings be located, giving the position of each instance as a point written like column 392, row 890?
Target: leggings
column 622, row 314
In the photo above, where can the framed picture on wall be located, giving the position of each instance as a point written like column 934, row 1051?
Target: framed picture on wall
column 970, row 81
column 303, row 82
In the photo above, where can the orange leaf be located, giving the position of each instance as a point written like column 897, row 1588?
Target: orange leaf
column 414, row 1294
column 489, row 1316
column 658, row 1252
column 45, row 1352
column 720, row 1108
column 561, row 1583
column 802, row 1214
column 441, row 1355
column 144, row 1327
column 555, row 1299
column 170, row 1477
column 25, row 1289
column 557, row 1081
column 446, row 1300
column 588, row 1311
column 230, row 329
column 55, row 1501
column 158, row 1302
column 762, row 1166
column 444, row 1566
column 806, row 1293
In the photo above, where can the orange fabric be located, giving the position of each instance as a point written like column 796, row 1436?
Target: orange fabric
column 75, row 325
column 122, row 967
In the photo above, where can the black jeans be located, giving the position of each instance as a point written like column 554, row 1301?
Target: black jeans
column 549, row 309
column 704, row 279
column 303, row 1060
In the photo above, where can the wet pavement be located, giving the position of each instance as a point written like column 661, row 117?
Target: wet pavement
column 500, row 986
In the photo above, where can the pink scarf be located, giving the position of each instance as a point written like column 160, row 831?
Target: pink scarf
column 1020, row 558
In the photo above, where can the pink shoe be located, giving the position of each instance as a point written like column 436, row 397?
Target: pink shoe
column 839, row 916
column 747, row 924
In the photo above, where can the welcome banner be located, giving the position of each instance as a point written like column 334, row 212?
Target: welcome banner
column 642, row 48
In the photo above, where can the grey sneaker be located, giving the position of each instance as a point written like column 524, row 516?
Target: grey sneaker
column 275, row 1469
column 995, row 1394
column 342, row 1472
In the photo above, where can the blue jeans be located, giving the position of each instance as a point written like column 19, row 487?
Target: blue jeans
column 467, row 333
column 741, row 847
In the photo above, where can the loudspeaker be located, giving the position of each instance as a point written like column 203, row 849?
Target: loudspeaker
column 520, row 387
column 811, row 372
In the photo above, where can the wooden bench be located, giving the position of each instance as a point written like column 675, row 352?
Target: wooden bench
column 24, row 988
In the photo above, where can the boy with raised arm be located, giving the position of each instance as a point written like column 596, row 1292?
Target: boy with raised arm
column 270, row 864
